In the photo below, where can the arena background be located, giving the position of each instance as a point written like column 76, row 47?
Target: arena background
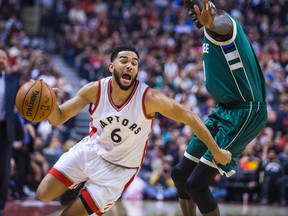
column 67, row 44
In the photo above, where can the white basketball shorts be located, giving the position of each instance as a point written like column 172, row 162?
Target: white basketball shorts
column 105, row 181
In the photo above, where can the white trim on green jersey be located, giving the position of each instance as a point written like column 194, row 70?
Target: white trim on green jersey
column 222, row 43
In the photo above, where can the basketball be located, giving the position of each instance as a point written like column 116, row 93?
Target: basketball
column 35, row 100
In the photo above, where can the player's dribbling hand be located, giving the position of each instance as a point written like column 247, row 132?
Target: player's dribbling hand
column 54, row 89
column 224, row 157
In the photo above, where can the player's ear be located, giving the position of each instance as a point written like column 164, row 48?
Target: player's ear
column 111, row 67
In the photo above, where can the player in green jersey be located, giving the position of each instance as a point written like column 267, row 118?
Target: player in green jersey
column 234, row 79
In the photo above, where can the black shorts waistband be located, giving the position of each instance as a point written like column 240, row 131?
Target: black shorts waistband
column 238, row 105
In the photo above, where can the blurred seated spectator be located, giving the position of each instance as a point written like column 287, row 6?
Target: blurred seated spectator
column 39, row 165
column 135, row 190
column 218, row 187
column 282, row 182
column 146, row 169
column 76, row 14
column 69, row 143
column 159, row 152
column 54, row 150
column 25, row 133
column 44, row 130
column 246, row 179
column 272, row 172
column 161, row 185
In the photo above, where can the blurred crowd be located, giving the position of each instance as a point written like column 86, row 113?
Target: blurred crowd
column 170, row 48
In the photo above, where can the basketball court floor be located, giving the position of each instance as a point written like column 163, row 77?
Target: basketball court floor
column 32, row 207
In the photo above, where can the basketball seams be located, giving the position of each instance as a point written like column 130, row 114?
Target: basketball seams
column 39, row 101
column 35, row 101
column 23, row 102
column 51, row 94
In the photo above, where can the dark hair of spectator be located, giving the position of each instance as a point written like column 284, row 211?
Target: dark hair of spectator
column 122, row 47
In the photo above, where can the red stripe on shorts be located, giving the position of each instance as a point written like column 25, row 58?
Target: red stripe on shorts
column 91, row 202
column 61, row 177
column 130, row 181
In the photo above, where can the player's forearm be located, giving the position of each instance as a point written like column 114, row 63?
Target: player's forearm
column 204, row 135
column 202, row 132
column 67, row 110
column 55, row 118
column 59, row 116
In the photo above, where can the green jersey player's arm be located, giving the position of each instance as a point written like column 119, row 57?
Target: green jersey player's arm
column 216, row 21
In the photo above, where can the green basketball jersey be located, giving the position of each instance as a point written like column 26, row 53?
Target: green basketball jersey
column 232, row 72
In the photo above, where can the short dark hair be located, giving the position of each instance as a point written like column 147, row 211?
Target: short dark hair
column 123, row 47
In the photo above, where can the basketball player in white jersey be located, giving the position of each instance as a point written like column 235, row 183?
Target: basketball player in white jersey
column 122, row 110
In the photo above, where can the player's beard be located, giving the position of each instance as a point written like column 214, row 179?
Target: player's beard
column 121, row 86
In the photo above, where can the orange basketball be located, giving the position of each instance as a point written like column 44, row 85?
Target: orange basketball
column 35, row 100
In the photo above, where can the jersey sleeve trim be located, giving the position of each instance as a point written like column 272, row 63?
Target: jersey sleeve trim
column 93, row 107
column 223, row 43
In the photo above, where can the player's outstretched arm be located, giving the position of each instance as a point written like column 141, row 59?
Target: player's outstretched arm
column 87, row 94
column 155, row 101
column 216, row 21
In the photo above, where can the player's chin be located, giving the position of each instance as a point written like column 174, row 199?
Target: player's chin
column 126, row 82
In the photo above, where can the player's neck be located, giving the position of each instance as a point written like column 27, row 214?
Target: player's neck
column 119, row 96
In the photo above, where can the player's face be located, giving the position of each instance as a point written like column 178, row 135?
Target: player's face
column 125, row 69
column 189, row 5
column 3, row 60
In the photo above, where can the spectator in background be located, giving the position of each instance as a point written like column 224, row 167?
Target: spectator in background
column 157, row 159
column 76, row 15
column 246, row 180
column 25, row 134
column 8, row 90
column 161, row 185
column 39, row 164
column 135, row 191
column 146, row 168
column 218, row 187
column 272, row 172
column 282, row 182
column 54, row 149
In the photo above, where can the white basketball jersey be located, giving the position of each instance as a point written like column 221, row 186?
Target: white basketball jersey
column 121, row 133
